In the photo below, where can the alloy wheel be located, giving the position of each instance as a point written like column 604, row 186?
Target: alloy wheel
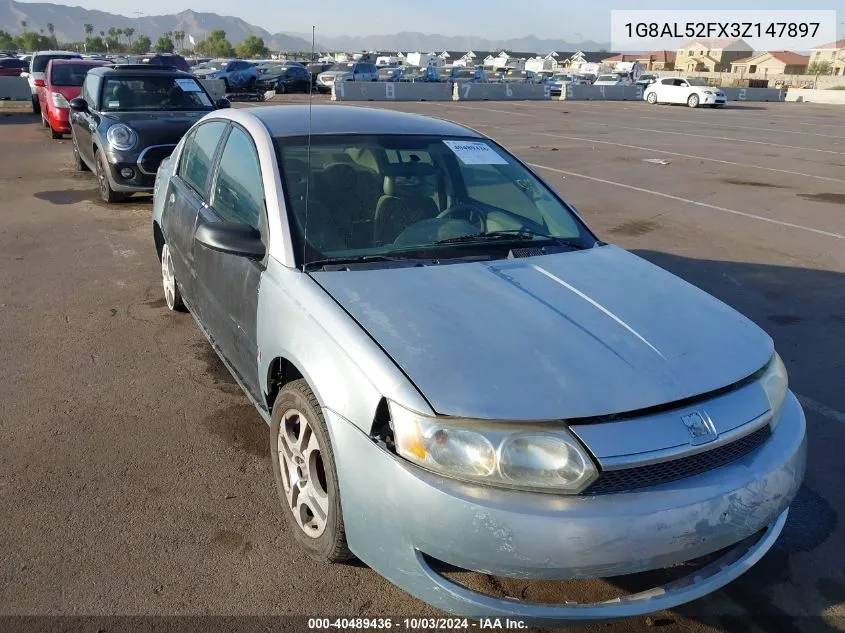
column 168, row 278
column 303, row 473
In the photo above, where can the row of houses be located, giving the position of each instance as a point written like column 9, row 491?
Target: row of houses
column 699, row 55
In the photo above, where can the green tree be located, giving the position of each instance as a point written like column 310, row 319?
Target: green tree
column 164, row 45
column 179, row 37
column 142, row 45
column 252, row 46
column 129, row 32
column 95, row 44
column 818, row 68
column 51, row 29
column 89, row 30
column 119, row 34
column 31, row 41
column 215, row 45
column 24, row 24
column 7, row 42
column 112, row 44
column 112, row 32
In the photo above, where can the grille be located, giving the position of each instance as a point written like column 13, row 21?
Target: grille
column 654, row 474
column 152, row 157
column 524, row 252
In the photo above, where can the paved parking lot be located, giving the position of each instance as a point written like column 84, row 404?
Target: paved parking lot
column 134, row 476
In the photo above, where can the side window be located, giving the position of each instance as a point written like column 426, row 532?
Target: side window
column 198, row 154
column 238, row 194
column 668, row 82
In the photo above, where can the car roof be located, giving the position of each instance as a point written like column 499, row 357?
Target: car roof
column 39, row 53
column 78, row 62
column 293, row 120
column 134, row 71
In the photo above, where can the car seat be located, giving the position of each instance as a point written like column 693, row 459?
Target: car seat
column 403, row 203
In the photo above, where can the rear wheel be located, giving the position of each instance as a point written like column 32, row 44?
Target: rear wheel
column 106, row 192
column 77, row 159
column 281, row 88
column 693, row 101
column 652, row 98
column 306, row 478
column 172, row 296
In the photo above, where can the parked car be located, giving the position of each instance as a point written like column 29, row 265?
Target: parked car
column 612, row 80
column 315, row 68
column 289, row 78
column 423, row 74
column 63, row 79
column 558, row 82
column 646, row 80
column 514, row 75
column 391, row 73
column 12, row 67
column 467, row 75
column 235, row 73
column 170, row 60
column 691, row 91
column 37, row 66
column 346, row 71
column 128, row 119
column 442, row 327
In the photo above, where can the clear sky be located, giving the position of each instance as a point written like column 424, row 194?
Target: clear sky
column 494, row 19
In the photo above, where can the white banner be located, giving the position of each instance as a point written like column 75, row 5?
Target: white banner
column 769, row 30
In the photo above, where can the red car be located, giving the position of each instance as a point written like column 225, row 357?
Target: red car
column 62, row 82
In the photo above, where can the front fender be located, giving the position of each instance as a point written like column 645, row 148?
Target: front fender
column 347, row 371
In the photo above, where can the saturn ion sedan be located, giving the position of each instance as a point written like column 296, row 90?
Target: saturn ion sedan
column 458, row 373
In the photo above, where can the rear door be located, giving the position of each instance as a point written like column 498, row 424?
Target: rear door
column 666, row 90
column 227, row 285
column 186, row 197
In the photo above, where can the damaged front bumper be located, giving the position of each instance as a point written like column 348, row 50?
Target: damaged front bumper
column 398, row 517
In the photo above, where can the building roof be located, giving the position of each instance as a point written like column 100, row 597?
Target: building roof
column 662, row 57
column 591, row 57
column 293, row 120
column 713, row 43
column 623, row 57
column 788, row 58
column 838, row 44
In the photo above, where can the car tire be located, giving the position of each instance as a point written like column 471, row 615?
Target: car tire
column 44, row 121
column 77, row 158
column 36, row 107
column 225, row 84
column 281, row 89
column 250, row 84
column 651, row 97
column 55, row 134
column 172, row 296
column 693, row 101
column 106, row 192
column 300, row 444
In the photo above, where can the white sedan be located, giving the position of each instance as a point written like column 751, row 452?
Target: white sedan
column 612, row 80
column 691, row 91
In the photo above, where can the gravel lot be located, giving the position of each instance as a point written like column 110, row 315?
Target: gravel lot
column 134, row 476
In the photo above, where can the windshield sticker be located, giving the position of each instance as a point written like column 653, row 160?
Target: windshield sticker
column 475, row 153
column 114, row 104
column 188, row 85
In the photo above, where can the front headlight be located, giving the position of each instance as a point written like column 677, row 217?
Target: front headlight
column 707, row 92
column 121, row 137
column 59, row 100
column 499, row 454
column 775, row 382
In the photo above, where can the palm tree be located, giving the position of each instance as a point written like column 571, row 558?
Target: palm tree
column 102, row 33
column 112, row 32
column 129, row 32
column 179, row 36
column 119, row 35
column 23, row 24
column 51, row 29
column 89, row 29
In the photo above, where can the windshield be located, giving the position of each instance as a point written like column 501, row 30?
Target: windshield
column 39, row 63
column 694, row 81
column 69, row 74
column 561, row 77
column 416, row 196
column 135, row 94
column 517, row 73
column 343, row 66
column 608, row 78
column 463, row 73
column 213, row 66
column 387, row 72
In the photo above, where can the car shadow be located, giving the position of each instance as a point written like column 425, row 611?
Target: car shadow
column 18, row 119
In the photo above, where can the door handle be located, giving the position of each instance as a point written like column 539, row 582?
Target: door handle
column 172, row 197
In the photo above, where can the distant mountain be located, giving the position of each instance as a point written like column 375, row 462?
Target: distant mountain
column 412, row 41
column 69, row 24
column 69, row 27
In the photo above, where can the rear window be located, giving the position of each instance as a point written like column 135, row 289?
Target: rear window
column 12, row 63
column 39, row 62
column 133, row 94
column 69, row 75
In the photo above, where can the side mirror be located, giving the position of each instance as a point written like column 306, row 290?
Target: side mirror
column 240, row 240
column 78, row 105
column 222, row 103
column 24, row 74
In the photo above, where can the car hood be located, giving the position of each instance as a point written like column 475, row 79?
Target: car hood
column 570, row 335
column 155, row 128
column 205, row 72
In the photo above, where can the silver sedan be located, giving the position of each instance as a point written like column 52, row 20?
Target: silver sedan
column 456, row 369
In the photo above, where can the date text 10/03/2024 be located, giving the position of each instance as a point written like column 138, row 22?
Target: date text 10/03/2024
column 415, row 624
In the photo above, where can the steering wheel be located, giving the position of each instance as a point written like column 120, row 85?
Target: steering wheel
column 466, row 212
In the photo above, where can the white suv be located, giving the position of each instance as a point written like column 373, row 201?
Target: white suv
column 36, row 71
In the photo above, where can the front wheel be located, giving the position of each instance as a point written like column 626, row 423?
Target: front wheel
column 652, row 98
column 106, row 192
column 55, row 134
column 250, row 85
column 306, row 478
column 77, row 159
column 172, row 296
column 281, row 88
column 36, row 107
column 693, row 101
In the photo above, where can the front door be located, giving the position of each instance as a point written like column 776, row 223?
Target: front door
column 83, row 124
column 186, row 197
column 227, row 285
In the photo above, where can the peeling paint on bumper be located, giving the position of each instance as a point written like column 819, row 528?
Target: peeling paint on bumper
column 393, row 512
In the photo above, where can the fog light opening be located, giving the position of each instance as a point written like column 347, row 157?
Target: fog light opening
column 127, row 173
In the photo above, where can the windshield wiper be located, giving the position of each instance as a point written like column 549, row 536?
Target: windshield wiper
column 359, row 259
column 511, row 234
